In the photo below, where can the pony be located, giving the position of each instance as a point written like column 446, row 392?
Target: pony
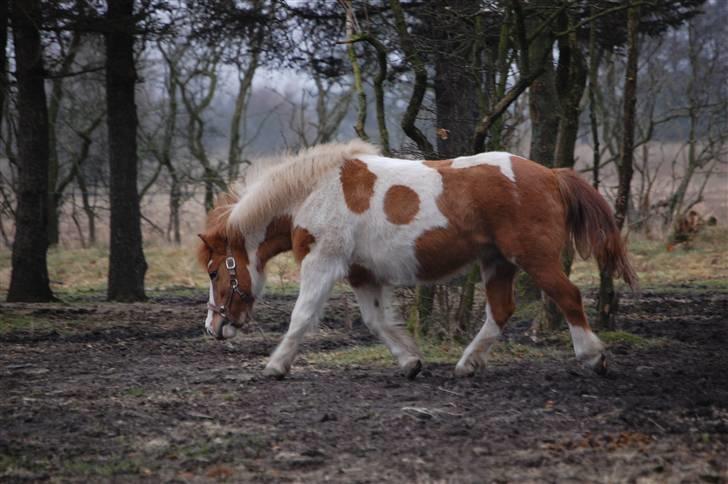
column 347, row 212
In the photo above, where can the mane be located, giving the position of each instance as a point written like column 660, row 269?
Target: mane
column 289, row 181
column 215, row 227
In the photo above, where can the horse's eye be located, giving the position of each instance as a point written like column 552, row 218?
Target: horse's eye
column 213, row 275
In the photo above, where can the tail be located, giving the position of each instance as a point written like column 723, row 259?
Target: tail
column 590, row 222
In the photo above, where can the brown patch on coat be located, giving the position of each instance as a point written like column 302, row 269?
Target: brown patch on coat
column 357, row 183
column 401, row 204
column 302, row 242
column 360, row 276
column 277, row 240
column 486, row 211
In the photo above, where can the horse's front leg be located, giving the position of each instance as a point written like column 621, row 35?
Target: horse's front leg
column 317, row 279
column 375, row 304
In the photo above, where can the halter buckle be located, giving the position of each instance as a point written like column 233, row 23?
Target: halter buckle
column 230, row 263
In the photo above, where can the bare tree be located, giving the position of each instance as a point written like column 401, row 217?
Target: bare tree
column 29, row 277
column 127, row 264
column 705, row 113
column 608, row 298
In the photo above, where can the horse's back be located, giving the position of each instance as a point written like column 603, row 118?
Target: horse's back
column 423, row 220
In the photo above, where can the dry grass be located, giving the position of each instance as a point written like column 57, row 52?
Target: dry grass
column 704, row 262
column 433, row 352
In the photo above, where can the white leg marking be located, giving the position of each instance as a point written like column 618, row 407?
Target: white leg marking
column 375, row 303
column 475, row 354
column 318, row 276
column 587, row 346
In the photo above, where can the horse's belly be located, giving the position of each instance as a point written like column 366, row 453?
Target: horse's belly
column 391, row 264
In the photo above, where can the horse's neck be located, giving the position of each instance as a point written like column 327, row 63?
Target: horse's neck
column 277, row 239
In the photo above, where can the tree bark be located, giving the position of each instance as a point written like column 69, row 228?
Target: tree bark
column 4, row 18
column 544, row 110
column 630, row 102
column 457, row 112
column 29, row 278
column 608, row 298
column 594, row 60
column 456, row 100
column 88, row 208
column 543, row 104
column 127, row 265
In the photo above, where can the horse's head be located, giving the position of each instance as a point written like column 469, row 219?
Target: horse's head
column 232, row 289
column 235, row 278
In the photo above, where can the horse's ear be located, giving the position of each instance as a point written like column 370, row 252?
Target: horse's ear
column 202, row 237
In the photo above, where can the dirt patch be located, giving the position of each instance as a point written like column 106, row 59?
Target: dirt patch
column 107, row 392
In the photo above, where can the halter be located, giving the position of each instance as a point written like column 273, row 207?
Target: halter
column 223, row 309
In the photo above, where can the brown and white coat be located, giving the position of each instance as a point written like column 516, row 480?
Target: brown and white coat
column 347, row 212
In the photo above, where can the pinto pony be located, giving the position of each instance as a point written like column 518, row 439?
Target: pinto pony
column 347, row 212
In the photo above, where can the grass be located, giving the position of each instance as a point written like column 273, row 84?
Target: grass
column 23, row 322
column 558, row 346
column 703, row 262
column 443, row 352
column 77, row 271
column 136, row 392
column 174, row 268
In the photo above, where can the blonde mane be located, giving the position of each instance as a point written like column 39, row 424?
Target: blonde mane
column 289, row 181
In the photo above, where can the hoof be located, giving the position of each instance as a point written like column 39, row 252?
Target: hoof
column 274, row 372
column 412, row 368
column 465, row 370
column 598, row 363
column 470, row 365
column 600, row 366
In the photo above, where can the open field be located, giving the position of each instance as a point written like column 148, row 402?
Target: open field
column 100, row 392
column 75, row 272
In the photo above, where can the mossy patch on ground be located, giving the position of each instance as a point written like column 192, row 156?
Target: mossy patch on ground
column 441, row 353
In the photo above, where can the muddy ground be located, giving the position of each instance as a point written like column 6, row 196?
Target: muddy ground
column 101, row 392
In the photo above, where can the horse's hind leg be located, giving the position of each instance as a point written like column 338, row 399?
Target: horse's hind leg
column 498, row 279
column 551, row 278
column 317, row 279
column 375, row 303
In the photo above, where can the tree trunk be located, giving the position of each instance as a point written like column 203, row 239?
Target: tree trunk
column 87, row 208
column 608, row 299
column 175, row 201
column 420, row 84
column 594, row 60
column 4, row 17
column 29, row 278
column 127, row 265
column 457, row 114
column 4, row 12
column 456, row 101
column 543, row 105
